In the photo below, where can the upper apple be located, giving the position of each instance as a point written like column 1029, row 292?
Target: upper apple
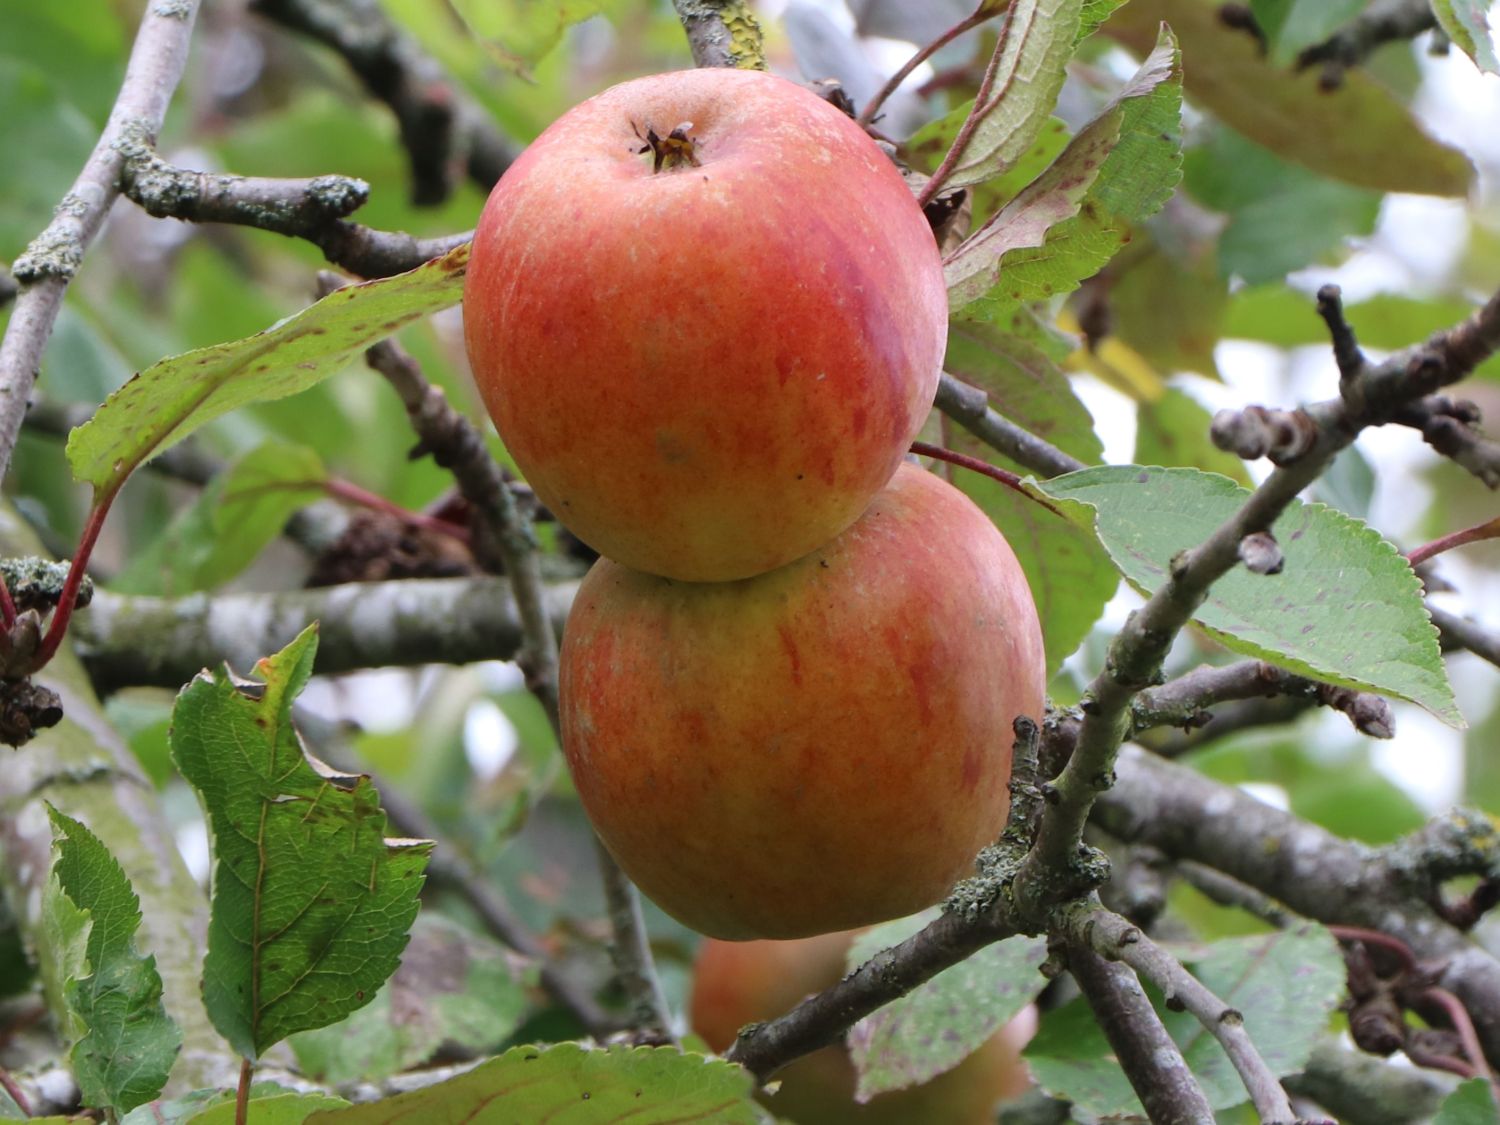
column 705, row 369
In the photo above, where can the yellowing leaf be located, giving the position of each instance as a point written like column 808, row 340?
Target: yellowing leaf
column 1347, row 134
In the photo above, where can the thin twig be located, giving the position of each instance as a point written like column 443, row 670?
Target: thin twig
column 1458, row 1016
column 1185, row 701
column 981, row 108
column 49, row 263
column 1146, row 1053
column 1384, row 21
column 1461, row 632
column 1395, row 947
column 313, row 209
column 444, row 130
column 970, row 408
column 448, row 866
column 1490, row 529
column 818, row 1021
column 983, row 468
column 968, row 23
column 1117, row 937
column 456, row 444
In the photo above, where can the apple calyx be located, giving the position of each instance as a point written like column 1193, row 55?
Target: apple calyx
column 675, row 150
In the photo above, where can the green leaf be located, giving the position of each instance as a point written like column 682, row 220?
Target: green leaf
column 935, row 1027
column 271, row 1109
column 1094, row 13
column 1173, row 431
column 520, row 33
column 1347, row 608
column 1118, row 170
column 1071, row 1059
column 1071, row 578
column 194, row 1106
column 1473, row 1103
column 55, row 137
column 1286, row 984
column 1466, row 22
column 926, row 148
column 123, row 1059
column 570, row 1084
column 1346, row 134
column 311, row 903
column 1281, row 216
column 453, row 988
column 241, row 511
column 1036, row 40
column 1348, row 484
column 1169, row 305
column 171, row 399
column 1291, row 26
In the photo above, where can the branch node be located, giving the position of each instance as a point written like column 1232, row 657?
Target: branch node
column 1261, row 554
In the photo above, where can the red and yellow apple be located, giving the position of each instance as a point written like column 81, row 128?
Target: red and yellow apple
column 707, row 358
column 817, row 748
column 735, row 983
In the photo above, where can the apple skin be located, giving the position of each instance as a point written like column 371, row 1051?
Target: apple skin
column 818, row 748
column 705, row 372
column 735, row 983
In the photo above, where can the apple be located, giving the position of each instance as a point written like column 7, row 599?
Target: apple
column 817, row 748
column 708, row 356
column 735, row 983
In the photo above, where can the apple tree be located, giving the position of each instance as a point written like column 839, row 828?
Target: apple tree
column 285, row 833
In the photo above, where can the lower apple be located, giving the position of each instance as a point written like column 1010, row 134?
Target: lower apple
column 817, row 748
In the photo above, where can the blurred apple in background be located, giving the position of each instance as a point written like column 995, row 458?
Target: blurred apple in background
column 735, row 983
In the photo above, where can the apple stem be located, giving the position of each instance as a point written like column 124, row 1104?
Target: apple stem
column 984, row 468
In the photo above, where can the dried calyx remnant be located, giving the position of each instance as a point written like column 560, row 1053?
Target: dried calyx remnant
column 35, row 586
column 675, row 150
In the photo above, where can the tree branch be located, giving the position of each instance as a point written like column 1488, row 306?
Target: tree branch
column 1184, row 702
column 1146, row 1053
column 722, row 33
column 1384, row 21
column 1461, row 632
column 1366, row 1091
column 970, row 408
column 765, row 1048
column 444, row 131
column 49, row 263
column 126, row 640
column 1315, row 873
column 1118, row 938
column 1135, row 656
column 314, row 210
